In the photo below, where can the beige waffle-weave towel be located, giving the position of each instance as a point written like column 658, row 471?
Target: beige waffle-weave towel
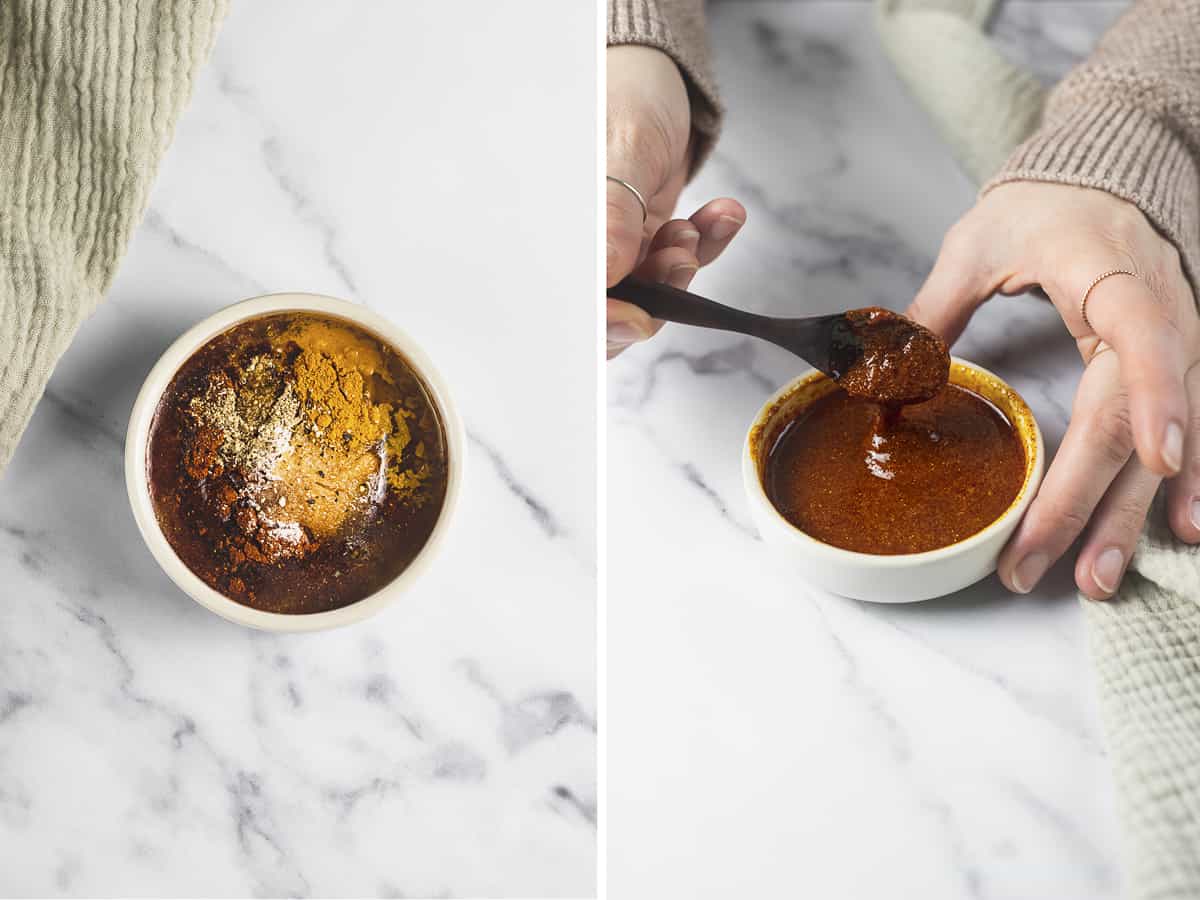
column 89, row 95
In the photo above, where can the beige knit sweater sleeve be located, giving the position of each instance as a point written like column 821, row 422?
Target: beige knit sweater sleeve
column 679, row 29
column 89, row 95
column 1127, row 121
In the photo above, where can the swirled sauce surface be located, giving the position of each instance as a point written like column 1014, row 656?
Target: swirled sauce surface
column 854, row 475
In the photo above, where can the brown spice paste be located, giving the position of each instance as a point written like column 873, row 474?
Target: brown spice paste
column 296, row 463
column 889, row 358
column 930, row 476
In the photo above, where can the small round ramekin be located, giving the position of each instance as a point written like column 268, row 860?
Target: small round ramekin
column 136, row 476
column 899, row 578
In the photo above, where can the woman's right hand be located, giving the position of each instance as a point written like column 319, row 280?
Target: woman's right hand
column 649, row 136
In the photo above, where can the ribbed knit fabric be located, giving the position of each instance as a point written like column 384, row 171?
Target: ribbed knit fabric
column 1128, row 122
column 678, row 28
column 89, row 95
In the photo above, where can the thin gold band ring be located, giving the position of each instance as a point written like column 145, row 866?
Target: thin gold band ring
column 1101, row 348
column 1095, row 281
column 640, row 199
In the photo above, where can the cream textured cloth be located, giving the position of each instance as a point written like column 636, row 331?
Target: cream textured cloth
column 89, row 94
column 925, row 40
column 1146, row 649
column 1126, row 121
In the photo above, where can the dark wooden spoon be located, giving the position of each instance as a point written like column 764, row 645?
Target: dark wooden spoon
column 873, row 353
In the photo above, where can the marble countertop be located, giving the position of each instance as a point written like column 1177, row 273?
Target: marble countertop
column 446, row 747
column 796, row 743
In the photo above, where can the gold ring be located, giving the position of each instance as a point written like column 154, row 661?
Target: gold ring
column 640, row 199
column 1101, row 348
column 1095, row 281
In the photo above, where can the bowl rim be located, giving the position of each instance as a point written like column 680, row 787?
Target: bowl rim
column 757, row 493
column 137, row 436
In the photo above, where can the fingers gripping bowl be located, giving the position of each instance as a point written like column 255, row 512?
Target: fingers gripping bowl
column 888, row 577
column 293, row 462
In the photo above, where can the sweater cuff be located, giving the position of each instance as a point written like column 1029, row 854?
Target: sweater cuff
column 1127, row 152
column 681, row 35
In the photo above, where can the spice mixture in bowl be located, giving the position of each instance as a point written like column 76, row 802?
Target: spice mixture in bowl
column 296, row 463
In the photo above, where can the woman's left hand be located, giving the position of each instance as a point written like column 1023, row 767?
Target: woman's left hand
column 1136, row 415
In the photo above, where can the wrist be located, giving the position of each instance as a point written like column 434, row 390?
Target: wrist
column 648, row 121
column 677, row 52
column 640, row 77
column 1127, row 152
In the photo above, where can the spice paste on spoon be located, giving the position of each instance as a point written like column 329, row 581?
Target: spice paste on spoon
column 888, row 358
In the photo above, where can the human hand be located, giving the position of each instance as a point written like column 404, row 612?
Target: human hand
column 1136, row 415
column 649, row 134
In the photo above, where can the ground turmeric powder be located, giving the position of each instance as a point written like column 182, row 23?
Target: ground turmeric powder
column 336, row 403
column 350, row 448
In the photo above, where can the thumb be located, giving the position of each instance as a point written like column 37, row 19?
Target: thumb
column 627, row 324
column 956, row 287
column 625, row 229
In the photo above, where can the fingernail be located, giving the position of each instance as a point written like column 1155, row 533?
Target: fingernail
column 622, row 334
column 1106, row 570
column 1196, row 513
column 1029, row 571
column 680, row 276
column 726, row 226
column 1172, row 448
column 688, row 240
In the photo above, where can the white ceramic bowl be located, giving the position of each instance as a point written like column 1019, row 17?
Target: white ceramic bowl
column 139, row 430
column 901, row 578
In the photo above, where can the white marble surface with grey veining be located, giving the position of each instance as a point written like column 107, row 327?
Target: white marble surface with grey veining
column 769, row 739
column 388, row 154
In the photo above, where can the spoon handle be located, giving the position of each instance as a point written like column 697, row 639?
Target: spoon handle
column 673, row 305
